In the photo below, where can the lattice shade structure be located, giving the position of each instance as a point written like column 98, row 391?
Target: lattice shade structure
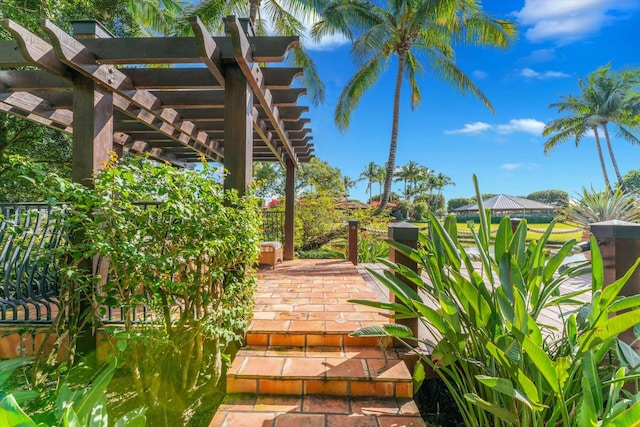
column 176, row 114
column 206, row 97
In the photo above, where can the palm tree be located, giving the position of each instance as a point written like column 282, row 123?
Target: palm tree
column 407, row 30
column 381, row 174
column 442, row 181
column 574, row 126
column 281, row 17
column 605, row 97
column 348, row 183
column 614, row 96
column 369, row 173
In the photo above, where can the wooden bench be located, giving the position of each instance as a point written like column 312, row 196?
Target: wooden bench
column 270, row 253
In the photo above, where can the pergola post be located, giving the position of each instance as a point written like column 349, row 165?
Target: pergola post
column 289, row 210
column 92, row 141
column 238, row 130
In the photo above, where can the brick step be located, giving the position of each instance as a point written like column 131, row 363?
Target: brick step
column 315, row 411
column 301, row 333
column 340, row 371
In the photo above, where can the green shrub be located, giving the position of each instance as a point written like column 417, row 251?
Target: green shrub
column 187, row 253
column 322, row 253
column 491, row 349
column 372, row 246
column 75, row 405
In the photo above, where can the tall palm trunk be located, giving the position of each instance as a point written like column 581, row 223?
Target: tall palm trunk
column 613, row 157
column 393, row 146
column 602, row 165
column 254, row 5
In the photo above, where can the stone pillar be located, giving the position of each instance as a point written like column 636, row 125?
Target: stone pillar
column 619, row 243
column 353, row 241
column 407, row 234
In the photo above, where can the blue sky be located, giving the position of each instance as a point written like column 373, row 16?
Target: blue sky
column 457, row 135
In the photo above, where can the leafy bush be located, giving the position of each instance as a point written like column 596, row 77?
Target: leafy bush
column 318, row 220
column 558, row 198
column 491, row 349
column 187, row 253
column 372, row 246
column 84, row 405
column 459, row 202
column 595, row 206
column 322, row 253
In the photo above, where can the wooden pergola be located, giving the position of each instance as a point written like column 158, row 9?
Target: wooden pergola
column 211, row 97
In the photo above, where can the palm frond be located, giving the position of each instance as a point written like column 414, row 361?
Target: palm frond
column 355, row 88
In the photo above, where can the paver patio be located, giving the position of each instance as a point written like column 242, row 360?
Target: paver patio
column 299, row 366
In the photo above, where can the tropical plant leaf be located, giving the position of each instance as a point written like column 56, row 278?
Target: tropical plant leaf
column 627, row 356
column 384, row 330
column 628, row 418
column 92, row 398
column 135, row 418
column 418, row 376
column 11, row 414
column 7, row 367
column 608, row 329
column 391, row 306
column 502, row 239
column 586, row 412
column 505, row 387
column 553, row 264
column 542, row 362
column 626, row 303
column 597, row 266
column 591, row 379
column 502, row 413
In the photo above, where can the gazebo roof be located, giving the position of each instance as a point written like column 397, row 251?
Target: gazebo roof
column 502, row 202
column 175, row 113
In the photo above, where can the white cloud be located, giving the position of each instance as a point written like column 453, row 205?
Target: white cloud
column 473, row 128
column 514, row 166
column 511, row 166
column 531, row 126
column 533, row 74
column 541, row 55
column 479, row 74
column 566, row 21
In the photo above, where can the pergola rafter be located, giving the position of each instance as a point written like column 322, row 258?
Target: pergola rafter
column 212, row 97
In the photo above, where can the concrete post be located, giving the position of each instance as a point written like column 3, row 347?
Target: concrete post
column 514, row 224
column 407, row 234
column 619, row 243
column 353, row 241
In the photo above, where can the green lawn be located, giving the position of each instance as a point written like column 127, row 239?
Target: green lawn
column 534, row 231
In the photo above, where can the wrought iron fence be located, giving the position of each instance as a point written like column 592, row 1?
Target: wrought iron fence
column 30, row 289
column 30, row 285
column 273, row 225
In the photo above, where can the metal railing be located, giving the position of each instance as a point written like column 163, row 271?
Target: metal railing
column 28, row 234
column 273, row 225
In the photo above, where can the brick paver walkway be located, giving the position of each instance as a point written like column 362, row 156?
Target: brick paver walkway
column 300, row 367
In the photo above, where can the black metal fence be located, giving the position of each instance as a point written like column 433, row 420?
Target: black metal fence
column 28, row 234
column 273, row 225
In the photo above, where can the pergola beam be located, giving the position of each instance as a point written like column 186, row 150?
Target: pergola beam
column 180, row 50
column 75, row 55
column 245, row 60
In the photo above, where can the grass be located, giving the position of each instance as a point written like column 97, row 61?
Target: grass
column 559, row 234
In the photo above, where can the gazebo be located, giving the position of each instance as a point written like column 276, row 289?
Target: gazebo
column 502, row 205
column 212, row 98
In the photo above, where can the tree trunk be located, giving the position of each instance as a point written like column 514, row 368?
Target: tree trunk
column 602, row 165
column 254, row 5
column 393, row 146
column 613, row 157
